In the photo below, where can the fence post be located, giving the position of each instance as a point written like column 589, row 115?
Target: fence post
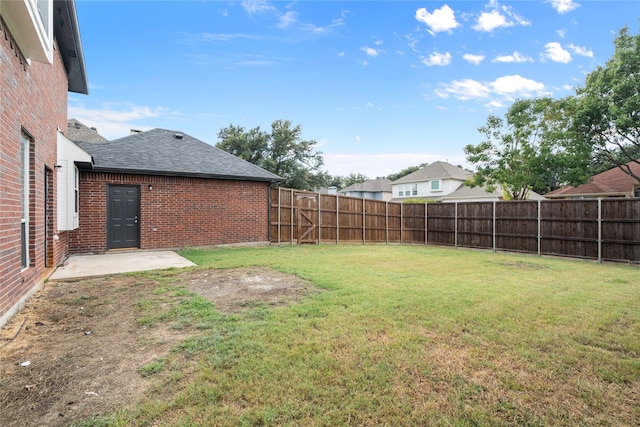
column 386, row 221
column 292, row 207
column 319, row 216
column 279, row 213
column 401, row 220
column 364, row 221
column 599, row 231
column 426, row 227
column 337, row 219
column 539, row 227
column 494, row 227
column 455, row 225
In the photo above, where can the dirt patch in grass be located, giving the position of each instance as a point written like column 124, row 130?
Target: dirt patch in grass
column 76, row 348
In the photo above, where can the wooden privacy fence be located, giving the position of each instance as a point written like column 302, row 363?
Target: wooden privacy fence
column 598, row 229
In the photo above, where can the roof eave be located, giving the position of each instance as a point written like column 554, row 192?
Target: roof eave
column 67, row 34
column 184, row 174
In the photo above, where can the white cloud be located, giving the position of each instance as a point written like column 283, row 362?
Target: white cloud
column 517, row 19
column 441, row 20
column 465, row 90
column 436, row 58
column 503, row 88
column 582, row 51
column 561, row 33
column 514, row 57
column 555, row 52
column 370, row 51
column 313, row 29
column 288, row 19
column 564, row 6
column 411, row 41
column 499, row 17
column 257, row 6
column 474, row 59
column 340, row 54
column 357, row 138
column 516, row 85
column 116, row 120
column 489, row 21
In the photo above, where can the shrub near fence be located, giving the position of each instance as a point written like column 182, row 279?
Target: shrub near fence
column 598, row 229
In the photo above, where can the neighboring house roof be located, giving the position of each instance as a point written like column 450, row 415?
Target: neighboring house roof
column 77, row 131
column 436, row 170
column 371, row 185
column 170, row 153
column 611, row 183
column 67, row 33
column 480, row 192
column 465, row 192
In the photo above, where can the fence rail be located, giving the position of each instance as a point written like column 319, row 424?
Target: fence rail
column 598, row 229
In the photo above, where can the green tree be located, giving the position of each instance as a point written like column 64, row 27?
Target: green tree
column 609, row 104
column 613, row 157
column 404, row 172
column 281, row 151
column 353, row 178
column 533, row 147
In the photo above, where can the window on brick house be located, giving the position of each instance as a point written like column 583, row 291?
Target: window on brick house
column 76, row 188
column 25, row 195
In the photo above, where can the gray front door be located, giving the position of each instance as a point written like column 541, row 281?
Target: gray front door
column 123, row 206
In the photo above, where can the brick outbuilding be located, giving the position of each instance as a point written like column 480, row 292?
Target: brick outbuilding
column 164, row 189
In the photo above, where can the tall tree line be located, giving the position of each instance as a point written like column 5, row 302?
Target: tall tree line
column 542, row 144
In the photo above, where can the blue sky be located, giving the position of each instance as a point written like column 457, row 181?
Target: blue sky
column 380, row 85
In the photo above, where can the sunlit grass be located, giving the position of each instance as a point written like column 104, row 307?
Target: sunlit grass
column 407, row 335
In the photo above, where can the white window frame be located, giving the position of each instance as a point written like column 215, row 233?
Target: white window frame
column 438, row 183
column 76, row 190
column 25, row 193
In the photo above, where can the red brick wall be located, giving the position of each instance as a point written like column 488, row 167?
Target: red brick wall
column 176, row 213
column 34, row 98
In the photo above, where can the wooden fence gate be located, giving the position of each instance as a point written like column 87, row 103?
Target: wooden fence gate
column 307, row 207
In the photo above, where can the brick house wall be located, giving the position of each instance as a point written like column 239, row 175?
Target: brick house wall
column 33, row 98
column 177, row 212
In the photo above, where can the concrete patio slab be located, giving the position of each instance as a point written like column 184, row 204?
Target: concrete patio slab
column 79, row 266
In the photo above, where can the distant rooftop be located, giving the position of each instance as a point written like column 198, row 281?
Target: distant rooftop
column 78, row 131
column 436, row 170
column 371, row 185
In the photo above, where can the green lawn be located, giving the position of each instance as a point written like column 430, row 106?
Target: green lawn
column 408, row 335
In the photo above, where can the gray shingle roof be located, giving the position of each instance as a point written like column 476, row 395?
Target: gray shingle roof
column 436, row 170
column 370, row 185
column 465, row 192
column 171, row 153
column 78, row 131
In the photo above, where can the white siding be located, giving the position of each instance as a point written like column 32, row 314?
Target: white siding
column 68, row 154
column 447, row 186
